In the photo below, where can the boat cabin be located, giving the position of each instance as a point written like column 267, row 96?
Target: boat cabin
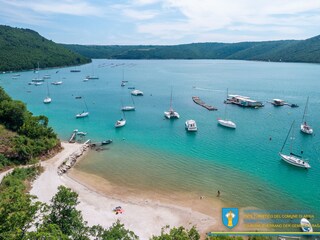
column 277, row 102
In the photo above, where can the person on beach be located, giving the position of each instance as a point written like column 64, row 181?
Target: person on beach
column 218, row 195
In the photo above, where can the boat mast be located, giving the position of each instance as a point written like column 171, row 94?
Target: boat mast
column 48, row 93
column 171, row 100
column 85, row 104
column 225, row 108
column 287, row 138
column 305, row 110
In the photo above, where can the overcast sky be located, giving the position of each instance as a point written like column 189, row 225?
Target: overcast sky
column 107, row 22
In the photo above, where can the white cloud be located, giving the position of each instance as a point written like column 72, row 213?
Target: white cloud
column 209, row 17
column 139, row 15
column 69, row 7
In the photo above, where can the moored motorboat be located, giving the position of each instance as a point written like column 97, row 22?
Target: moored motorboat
column 277, row 102
column 191, row 125
column 306, row 225
column 105, row 142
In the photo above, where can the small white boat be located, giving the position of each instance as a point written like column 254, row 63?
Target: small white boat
column 123, row 84
column 304, row 127
column 57, row 83
column 37, row 80
column 137, row 93
column 38, row 83
column 92, row 77
column 128, row 108
column 82, row 115
column 81, row 133
column 171, row 114
column 120, row 123
column 227, row 123
column 305, row 225
column 191, row 125
column 47, row 100
column 277, row 102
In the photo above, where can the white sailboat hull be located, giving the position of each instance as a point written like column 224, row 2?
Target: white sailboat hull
column 120, row 123
column 227, row 123
column 82, row 115
column 305, row 128
column 294, row 160
column 128, row 108
column 171, row 114
column 137, row 93
column 47, row 100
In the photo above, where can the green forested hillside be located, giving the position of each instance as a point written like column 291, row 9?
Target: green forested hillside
column 23, row 137
column 287, row 50
column 22, row 49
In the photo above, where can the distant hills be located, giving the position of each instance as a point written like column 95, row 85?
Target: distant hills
column 286, row 51
column 22, row 49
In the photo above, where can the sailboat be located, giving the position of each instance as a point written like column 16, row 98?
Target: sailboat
column 47, row 99
column 293, row 158
column 121, row 122
column 225, row 122
column 123, row 83
column 128, row 107
column 92, row 76
column 84, row 113
column 37, row 79
column 171, row 113
column 304, row 127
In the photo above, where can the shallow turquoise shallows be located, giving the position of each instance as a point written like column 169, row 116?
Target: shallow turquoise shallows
column 154, row 153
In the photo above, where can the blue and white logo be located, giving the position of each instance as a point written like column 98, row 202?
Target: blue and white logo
column 230, row 217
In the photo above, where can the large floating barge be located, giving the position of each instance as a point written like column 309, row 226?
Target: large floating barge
column 198, row 101
column 243, row 101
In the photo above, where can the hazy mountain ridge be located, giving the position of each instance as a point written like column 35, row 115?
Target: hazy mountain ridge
column 283, row 50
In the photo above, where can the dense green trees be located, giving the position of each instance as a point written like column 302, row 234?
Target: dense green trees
column 24, row 218
column 287, row 51
column 33, row 137
column 23, row 48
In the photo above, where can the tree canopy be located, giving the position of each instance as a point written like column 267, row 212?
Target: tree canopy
column 23, row 49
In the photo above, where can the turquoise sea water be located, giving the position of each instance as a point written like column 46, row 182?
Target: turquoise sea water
column 156, row 154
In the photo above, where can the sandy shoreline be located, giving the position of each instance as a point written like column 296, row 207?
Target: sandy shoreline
column 145, row 212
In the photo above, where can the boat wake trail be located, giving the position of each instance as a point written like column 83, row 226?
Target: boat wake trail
column 208, row 89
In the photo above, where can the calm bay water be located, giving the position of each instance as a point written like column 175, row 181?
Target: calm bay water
column 157, row 154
